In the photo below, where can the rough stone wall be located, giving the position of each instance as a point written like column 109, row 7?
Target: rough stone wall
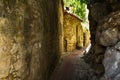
column 73, row 32
column 86, row 37
column 30, row 36
column 104, row 19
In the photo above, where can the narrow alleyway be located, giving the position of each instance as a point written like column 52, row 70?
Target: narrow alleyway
column 71, row 66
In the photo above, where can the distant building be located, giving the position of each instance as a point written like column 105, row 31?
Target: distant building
column 76, row 35
column 73, row 32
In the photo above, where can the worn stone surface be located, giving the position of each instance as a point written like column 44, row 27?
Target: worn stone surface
column 117, row 77
column 104, row 19
column 111, row 63
column 86, row 36
column 30, row 38
column 108, row 31
column 117, row 46
column 109, row 37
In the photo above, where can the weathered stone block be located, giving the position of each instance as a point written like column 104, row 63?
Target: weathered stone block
column 109, row 37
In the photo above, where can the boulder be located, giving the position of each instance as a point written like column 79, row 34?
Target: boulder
column 112, row 62
column 109, row 37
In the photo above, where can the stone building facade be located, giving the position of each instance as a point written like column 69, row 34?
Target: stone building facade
column 72, row 31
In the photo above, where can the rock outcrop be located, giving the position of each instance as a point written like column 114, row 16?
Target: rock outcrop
column 112, row 62
column 104, row 55
column 112, row 41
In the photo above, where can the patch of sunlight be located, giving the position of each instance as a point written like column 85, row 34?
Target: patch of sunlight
column 85, row 24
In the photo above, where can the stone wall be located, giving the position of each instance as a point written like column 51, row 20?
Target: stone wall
column 86, row 36
column 30, row 38
column 73, row 32
column 103, row 56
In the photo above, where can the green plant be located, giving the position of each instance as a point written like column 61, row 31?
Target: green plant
column 78, row 7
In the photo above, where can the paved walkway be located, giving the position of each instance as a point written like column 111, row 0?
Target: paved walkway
column 66, row 70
